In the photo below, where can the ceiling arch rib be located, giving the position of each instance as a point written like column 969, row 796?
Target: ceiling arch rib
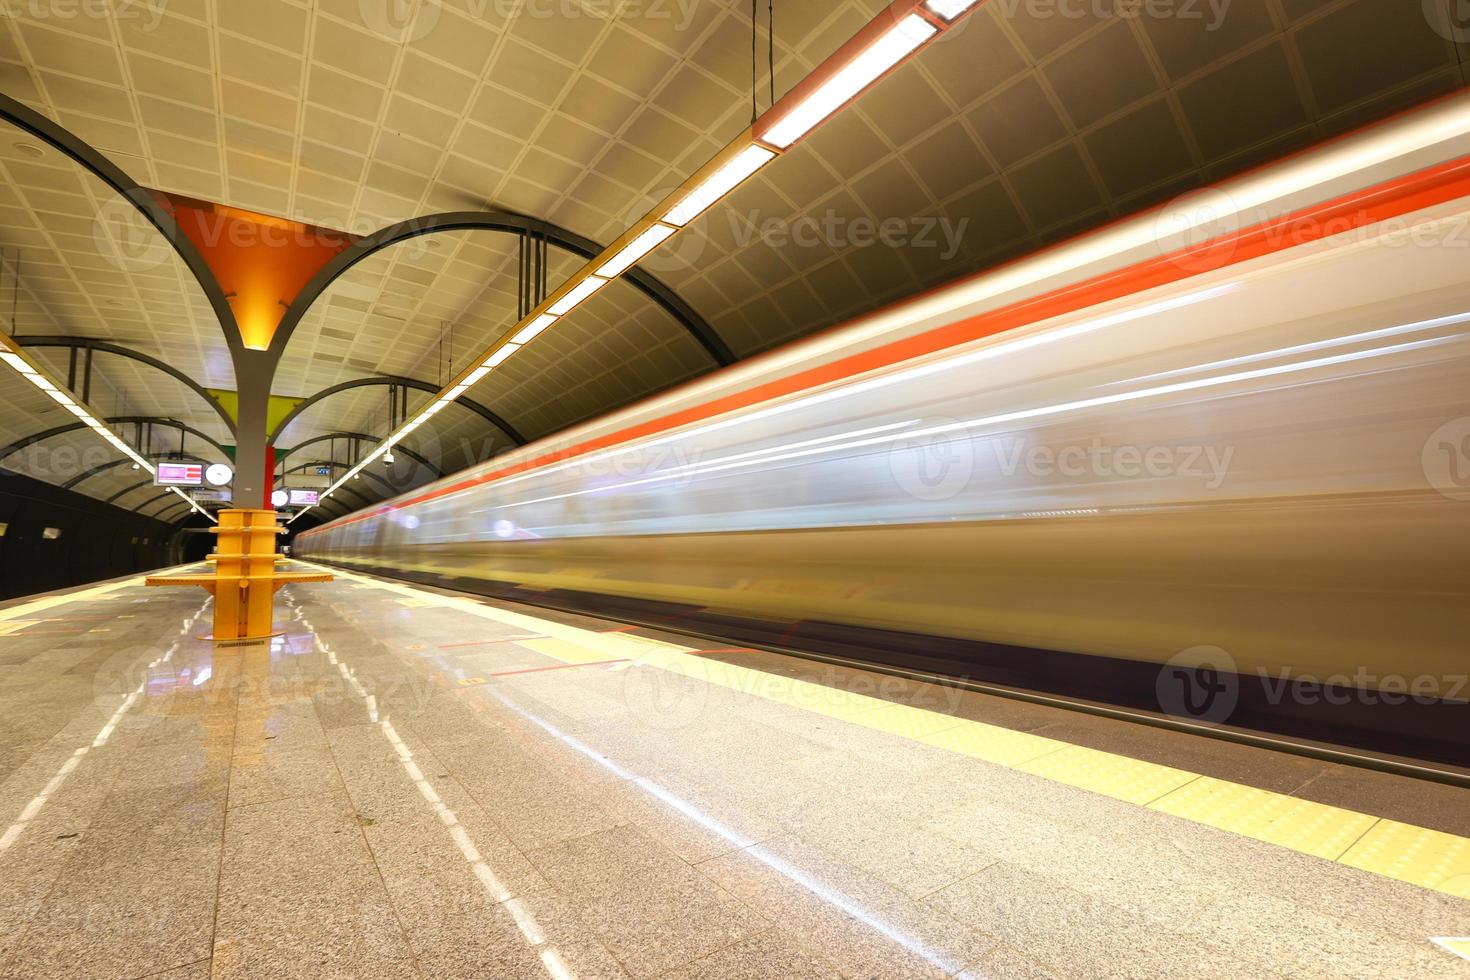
column 104, row 347
column 283, row 454
column 413, row 383
column 31, row 440
column 500, row 221
column 135, row 194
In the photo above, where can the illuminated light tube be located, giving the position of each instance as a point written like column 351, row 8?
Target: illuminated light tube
column 500, row 356
column 635, row 250
column 456, row 391
column 79, row 412
column 718, row 184
column 949, row 9
column 568, row 302
column 855, row 76
column 59, row 396
column 92, row 422
column 533, row 329
column 476, row 376
column 41, row 382
column 17, row 362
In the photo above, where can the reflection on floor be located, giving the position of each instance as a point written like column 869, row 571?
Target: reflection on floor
column 410, row 784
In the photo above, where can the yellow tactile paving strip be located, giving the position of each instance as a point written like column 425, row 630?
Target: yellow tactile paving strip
column 28, row 609
column 1427, row 858
column 1460, row 946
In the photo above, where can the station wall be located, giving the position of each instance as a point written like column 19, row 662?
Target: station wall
column 54, row 538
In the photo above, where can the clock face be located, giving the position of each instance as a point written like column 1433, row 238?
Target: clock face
column 218, row 474
column 280, row 498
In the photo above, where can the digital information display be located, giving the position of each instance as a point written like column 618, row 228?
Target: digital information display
column 303, row 498
column 179, row 475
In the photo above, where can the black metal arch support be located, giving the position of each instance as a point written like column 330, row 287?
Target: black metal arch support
column 283, row 454
column 114, row 463
column 127, row 490
column 160, row 516
column 103, row 347
column 470, row 404
column 153, row 500
column 500, row 221
column 135, row 194
column 31, row 440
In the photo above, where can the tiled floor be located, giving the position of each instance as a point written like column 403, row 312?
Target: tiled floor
column 404, row 786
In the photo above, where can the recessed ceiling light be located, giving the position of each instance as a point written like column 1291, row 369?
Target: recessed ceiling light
column 29, row 150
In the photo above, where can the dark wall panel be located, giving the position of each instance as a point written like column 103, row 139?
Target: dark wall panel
column 96, row 540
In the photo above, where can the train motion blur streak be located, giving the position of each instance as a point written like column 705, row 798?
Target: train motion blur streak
column 1242, row 457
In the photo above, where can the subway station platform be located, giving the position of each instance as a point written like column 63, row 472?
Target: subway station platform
column 414, row 783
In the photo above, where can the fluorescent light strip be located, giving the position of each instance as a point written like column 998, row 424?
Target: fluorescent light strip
column 717, row 185
column 533, row 329
column 857, row 75
column 635, row 250
column 19, row 363
column 500, row 356
column 569, row 302
column 949, row 9
column 476, row 376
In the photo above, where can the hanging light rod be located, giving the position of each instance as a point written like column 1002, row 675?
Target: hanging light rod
column 882, row 45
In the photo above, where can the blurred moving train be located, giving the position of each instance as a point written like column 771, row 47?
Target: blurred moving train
column 1211, row 462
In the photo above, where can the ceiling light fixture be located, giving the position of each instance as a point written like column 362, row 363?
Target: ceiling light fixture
column 533, row 329
column 635, row 250
column 500, row 356
column 873, row 63
column 576, row 295
column 718, row 184
column 949, row 9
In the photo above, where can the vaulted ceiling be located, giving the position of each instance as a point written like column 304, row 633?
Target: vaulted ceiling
column 1033, row 122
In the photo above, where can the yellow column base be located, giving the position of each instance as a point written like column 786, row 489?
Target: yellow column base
column 245, row 578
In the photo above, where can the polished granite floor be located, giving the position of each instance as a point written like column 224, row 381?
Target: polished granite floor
column 401, row 786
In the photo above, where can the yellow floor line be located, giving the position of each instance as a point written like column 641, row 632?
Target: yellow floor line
column 27, row 609
column 1419, row 856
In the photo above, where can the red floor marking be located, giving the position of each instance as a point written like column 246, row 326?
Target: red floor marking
column 700, row 653
column 542, row 670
